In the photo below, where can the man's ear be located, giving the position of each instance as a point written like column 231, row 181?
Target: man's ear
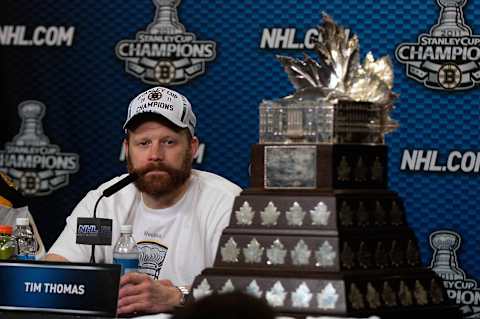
column 194, row 146
column 125, row 146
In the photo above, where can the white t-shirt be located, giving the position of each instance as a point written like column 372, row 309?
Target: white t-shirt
column 176, row 243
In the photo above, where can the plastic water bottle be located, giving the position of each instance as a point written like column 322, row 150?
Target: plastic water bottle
column 26, row 242
column 125, row 252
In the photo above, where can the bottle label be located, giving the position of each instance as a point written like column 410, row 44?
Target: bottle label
column 128, row 265
column 25, row 257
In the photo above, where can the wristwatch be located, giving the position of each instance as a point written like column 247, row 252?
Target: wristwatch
column 184, row 293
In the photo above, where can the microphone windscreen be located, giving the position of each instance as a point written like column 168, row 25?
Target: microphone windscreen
column 120, row 184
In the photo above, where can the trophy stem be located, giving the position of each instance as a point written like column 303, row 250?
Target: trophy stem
column 451, row 23
column 446, row 267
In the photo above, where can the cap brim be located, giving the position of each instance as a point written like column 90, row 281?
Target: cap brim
column 137, row 118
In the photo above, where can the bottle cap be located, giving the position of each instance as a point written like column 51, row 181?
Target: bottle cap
column 22, row 221
column 6, row 229
column 124, row 229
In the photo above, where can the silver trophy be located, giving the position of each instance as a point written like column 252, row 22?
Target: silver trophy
column 31, row 131
column 450, row 22
column 444, row 262
column 166, row 18
column 337, row 99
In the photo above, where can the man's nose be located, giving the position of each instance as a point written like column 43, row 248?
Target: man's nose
column 157, row 152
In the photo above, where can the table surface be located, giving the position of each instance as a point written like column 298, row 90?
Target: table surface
column 42, row 315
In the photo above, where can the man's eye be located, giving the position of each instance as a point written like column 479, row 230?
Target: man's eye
column 144, row 143
column 169, row 142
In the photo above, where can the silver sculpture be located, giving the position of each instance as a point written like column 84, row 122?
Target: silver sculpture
column 337, row 99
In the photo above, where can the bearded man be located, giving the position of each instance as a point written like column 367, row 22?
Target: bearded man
column 177, row 213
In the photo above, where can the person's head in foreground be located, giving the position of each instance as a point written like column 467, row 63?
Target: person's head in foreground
column 233, row 305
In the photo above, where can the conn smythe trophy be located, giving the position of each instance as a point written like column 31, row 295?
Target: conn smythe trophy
column 318, row 232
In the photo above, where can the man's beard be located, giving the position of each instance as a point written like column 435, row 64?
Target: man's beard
column 157, row 185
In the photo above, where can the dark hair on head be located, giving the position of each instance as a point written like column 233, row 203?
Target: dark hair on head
column 232, row 305
column 141, row 118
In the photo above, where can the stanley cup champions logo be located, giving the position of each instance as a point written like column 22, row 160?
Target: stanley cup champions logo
column 448, row 57
column 36, row 166
column 165, row 53
column 460, row 289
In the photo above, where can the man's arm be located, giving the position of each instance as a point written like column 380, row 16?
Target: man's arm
column 54, row 257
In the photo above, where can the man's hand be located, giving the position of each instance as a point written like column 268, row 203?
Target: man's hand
column 139, row 293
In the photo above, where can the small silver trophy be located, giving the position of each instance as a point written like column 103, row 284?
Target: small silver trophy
column 166, row 18
column 450, row 22
column 444, row 262
column 31, row 131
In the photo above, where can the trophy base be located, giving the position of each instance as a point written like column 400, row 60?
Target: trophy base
column 445, row 311
column 319, row 233
column 347, row 253
column 387, row 294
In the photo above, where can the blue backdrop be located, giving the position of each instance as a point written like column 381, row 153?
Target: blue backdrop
column 86, row 89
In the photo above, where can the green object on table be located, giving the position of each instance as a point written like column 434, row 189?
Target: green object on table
column 6, row 252
column 7, row 247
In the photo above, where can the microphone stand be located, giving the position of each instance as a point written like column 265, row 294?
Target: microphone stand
column 107, row 193
column 92, row 255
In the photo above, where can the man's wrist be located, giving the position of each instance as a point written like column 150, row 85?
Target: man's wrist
column 184, row 291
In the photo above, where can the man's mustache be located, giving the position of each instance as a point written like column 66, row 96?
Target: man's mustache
column 152, row 167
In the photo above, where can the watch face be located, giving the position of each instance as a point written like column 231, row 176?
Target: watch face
column 185, row 291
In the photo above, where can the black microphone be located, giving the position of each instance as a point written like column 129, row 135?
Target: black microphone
column 98, row 231
column 120, row 184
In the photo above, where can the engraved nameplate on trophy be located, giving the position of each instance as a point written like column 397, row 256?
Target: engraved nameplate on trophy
column 290, row 167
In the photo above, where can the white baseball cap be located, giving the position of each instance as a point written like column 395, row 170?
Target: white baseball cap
column 168, row 103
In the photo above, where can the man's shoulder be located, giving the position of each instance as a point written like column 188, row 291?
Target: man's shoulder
column 216, row 183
